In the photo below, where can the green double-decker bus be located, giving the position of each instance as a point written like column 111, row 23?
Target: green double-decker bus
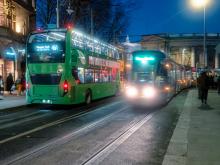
column 68, row 67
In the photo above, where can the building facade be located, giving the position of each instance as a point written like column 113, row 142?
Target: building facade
column 187, row 49
column 17, row 19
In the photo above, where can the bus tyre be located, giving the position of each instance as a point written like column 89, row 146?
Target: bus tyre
column 88, row 99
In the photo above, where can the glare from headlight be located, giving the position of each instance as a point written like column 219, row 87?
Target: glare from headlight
column 131, row 92
column 149, row 92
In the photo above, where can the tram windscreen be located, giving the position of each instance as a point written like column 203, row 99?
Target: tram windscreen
column 144, row 78
column 143, row 69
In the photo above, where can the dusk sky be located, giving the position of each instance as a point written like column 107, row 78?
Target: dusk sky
column 172, row 16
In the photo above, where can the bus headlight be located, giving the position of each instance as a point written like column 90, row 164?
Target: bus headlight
column 149, row 92
column 131, row 91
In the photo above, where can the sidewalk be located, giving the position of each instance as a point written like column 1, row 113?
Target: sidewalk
column 10, row 101
column 196, row 138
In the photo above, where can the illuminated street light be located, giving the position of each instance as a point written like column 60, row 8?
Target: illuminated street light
column 202, row 4
column 199, row 3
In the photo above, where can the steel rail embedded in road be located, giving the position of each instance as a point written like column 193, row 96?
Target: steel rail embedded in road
column 22, row 121
column 112, row 145
column 63, row 139
column 62, row 120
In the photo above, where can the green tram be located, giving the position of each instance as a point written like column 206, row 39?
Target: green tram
column 68, row 67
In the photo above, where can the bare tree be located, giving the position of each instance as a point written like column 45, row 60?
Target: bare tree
column 46, row 12
column 109, row 17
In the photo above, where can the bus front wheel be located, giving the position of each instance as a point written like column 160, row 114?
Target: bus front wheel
column 88, row 99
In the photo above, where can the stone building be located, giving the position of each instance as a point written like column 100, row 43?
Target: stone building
column 17, row 19
column 187, row 49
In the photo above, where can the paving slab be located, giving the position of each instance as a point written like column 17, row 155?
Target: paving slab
column 11, row 101
column 195, row 140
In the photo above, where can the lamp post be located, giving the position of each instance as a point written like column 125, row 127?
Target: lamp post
column 183, row 56
column 202, row 4
column 91, row 22
column 57, row 10
column 204, row 36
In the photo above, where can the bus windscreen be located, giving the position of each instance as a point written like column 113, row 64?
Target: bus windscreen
column 46, row 48
column 53, row 52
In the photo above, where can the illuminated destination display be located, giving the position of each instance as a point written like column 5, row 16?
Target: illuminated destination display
column 46, row 48
column 102, row 62
column 144, row 58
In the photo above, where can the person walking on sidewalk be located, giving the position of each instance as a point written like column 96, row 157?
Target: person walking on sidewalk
column 9, row 83
column 18, row 85
column 198, row 86
column 23, row 82
column 204, row 87
column 1, row 85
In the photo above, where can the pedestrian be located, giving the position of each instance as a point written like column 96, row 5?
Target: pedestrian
column 218, row 84
column 1, row 85
column 204, row 87
column 18, row 86
column 198, row 86
column 9, row 83
column 23, row 82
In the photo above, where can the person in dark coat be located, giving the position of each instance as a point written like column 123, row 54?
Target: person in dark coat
column 204, row 87
column 23, row 82
column 198, row 86
column 9, row 83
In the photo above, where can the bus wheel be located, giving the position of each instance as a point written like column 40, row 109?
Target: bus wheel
column 88, row 99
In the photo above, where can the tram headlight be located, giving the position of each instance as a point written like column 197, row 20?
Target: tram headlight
column 149, row 92
column 167, row 88
column 131, row 91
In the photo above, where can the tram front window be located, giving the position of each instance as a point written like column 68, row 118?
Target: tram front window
column 144, row 78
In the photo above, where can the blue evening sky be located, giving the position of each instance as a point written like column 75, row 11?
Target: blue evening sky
column 172, row 16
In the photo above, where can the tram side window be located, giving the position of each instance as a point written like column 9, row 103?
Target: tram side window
column 162, row 72
column 89, row 75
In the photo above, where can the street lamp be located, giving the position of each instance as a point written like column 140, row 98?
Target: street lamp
column 202, row 4
column 183, row 56
column 57, row 10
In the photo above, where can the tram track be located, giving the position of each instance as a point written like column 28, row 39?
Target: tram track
column 14, row 117
column 95, row 139
column 59, row 121
column 59, row 141
column 109, row 146
column 103, row 152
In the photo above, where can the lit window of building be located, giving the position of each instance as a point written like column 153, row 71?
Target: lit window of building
column 15, row 23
